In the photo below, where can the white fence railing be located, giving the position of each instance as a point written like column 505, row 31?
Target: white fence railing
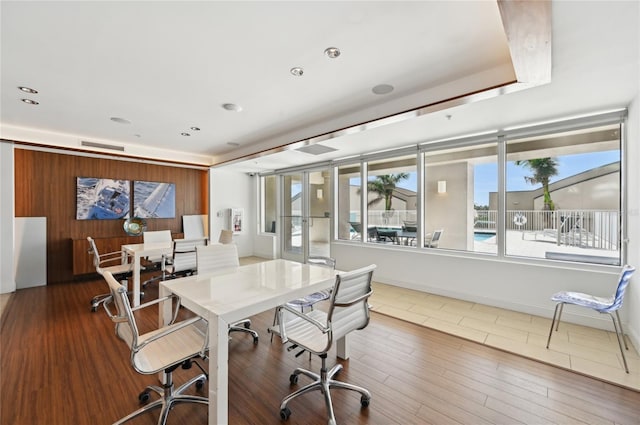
column 584, row 228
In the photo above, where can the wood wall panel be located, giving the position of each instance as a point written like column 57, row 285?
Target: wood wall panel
column 46, row 187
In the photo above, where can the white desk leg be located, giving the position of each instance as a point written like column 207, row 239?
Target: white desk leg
column 342, row 348
column 218, row 371
column 136, row 280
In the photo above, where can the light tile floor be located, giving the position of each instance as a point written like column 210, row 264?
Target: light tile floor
column 585, row 350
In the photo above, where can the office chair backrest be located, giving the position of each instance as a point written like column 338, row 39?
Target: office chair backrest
column 322, row 261
column 93, row 250
column 226, row 237
column 184, row 253
column 156, row 236
column 126, row 327
column 349, row 309
column 215, row 257
column 623, row 282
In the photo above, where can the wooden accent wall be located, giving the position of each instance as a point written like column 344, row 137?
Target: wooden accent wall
column 46, row 187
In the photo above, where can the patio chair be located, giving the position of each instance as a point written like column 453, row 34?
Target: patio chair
column 357, row 229
column 601, row 305
column 432, row 240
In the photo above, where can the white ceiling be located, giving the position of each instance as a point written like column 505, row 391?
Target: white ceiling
column 168, row 66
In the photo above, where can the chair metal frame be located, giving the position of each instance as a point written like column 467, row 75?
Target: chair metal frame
column 118, row 269
column 601, row 305
column 347, row 312
column 186, row 340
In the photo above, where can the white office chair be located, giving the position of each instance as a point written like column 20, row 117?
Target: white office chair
column 307, row 301
column 110, row 262
column 316, row 331
column 608, row 305
column 156, row 236
column 213, row 258
column 183, row 258
column 161, row 350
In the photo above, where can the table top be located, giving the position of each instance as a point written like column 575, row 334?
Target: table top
column 239, row 292
column 147, row 247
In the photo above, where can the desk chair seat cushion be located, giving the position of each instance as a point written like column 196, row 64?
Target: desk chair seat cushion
column 117, row 270
column 585, row 300
column 172, row 348
column 306, row 334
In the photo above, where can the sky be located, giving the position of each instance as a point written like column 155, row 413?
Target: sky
column 486, row 175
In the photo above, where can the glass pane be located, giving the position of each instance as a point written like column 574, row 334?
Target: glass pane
column 269, row 199
column 292, row 213
column 563, row 196
column 349, row 196
column 458, row 186
column 392, row 193
column 319, row 213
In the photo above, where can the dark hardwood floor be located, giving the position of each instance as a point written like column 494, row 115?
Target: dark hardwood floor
column 62, row 364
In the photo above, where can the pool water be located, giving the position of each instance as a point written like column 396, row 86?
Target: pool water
column 481, row 237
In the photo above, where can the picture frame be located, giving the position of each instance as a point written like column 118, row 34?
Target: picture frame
column 102, row 199
column 154, row 199
column 237, row 220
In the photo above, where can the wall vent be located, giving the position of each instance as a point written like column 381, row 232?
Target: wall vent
column 102, row 146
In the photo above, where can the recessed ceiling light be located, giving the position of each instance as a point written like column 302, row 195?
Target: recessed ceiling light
column 332, row 52
column 382, row 89
column 120, row 120
column 233, row 144
column 297, row 71
column 232, row 107
column 195, row 128
column 30, row 102
column 28, row 90
column 185, row 134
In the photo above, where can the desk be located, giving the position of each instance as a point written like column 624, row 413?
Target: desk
column 139, row 250
column 233, row 294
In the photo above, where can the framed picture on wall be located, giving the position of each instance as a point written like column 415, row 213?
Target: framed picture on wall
column 102, row 199
column 154, row 200
column 237, row 220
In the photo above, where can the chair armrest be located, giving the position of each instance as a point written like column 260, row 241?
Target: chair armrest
column 176, row 309
column 283, row 334
column 172, row 329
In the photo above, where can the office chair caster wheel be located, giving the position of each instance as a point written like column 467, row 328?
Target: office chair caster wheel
column 293, row 379
column 94, row 309
column 285, row 413
column 199, row 384
column 364, row 401
column 247, row 325
column 255, row 339
column 144, row 397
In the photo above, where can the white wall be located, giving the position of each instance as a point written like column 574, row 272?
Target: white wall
column 632, row 300
column 7, row 210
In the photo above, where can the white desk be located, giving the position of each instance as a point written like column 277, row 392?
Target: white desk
column 238, row 293
column 139, row 250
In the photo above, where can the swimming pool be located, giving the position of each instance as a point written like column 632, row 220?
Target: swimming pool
column 482, row 236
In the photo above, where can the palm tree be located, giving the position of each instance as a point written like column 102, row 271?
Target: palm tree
column 383, row 186
column 543, row 169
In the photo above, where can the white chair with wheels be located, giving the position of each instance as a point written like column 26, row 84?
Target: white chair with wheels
column 316, row 332
column 183, row 258
column 162, row 350
column 214, row 258
column 152, row 237
column 609, row 305
column 307, row 301
column 110, row 262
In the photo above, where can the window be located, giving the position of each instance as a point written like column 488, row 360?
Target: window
column 457, row 186
column 392, row 196
column 268, row 197
column 563, row 196
column 349, row 202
